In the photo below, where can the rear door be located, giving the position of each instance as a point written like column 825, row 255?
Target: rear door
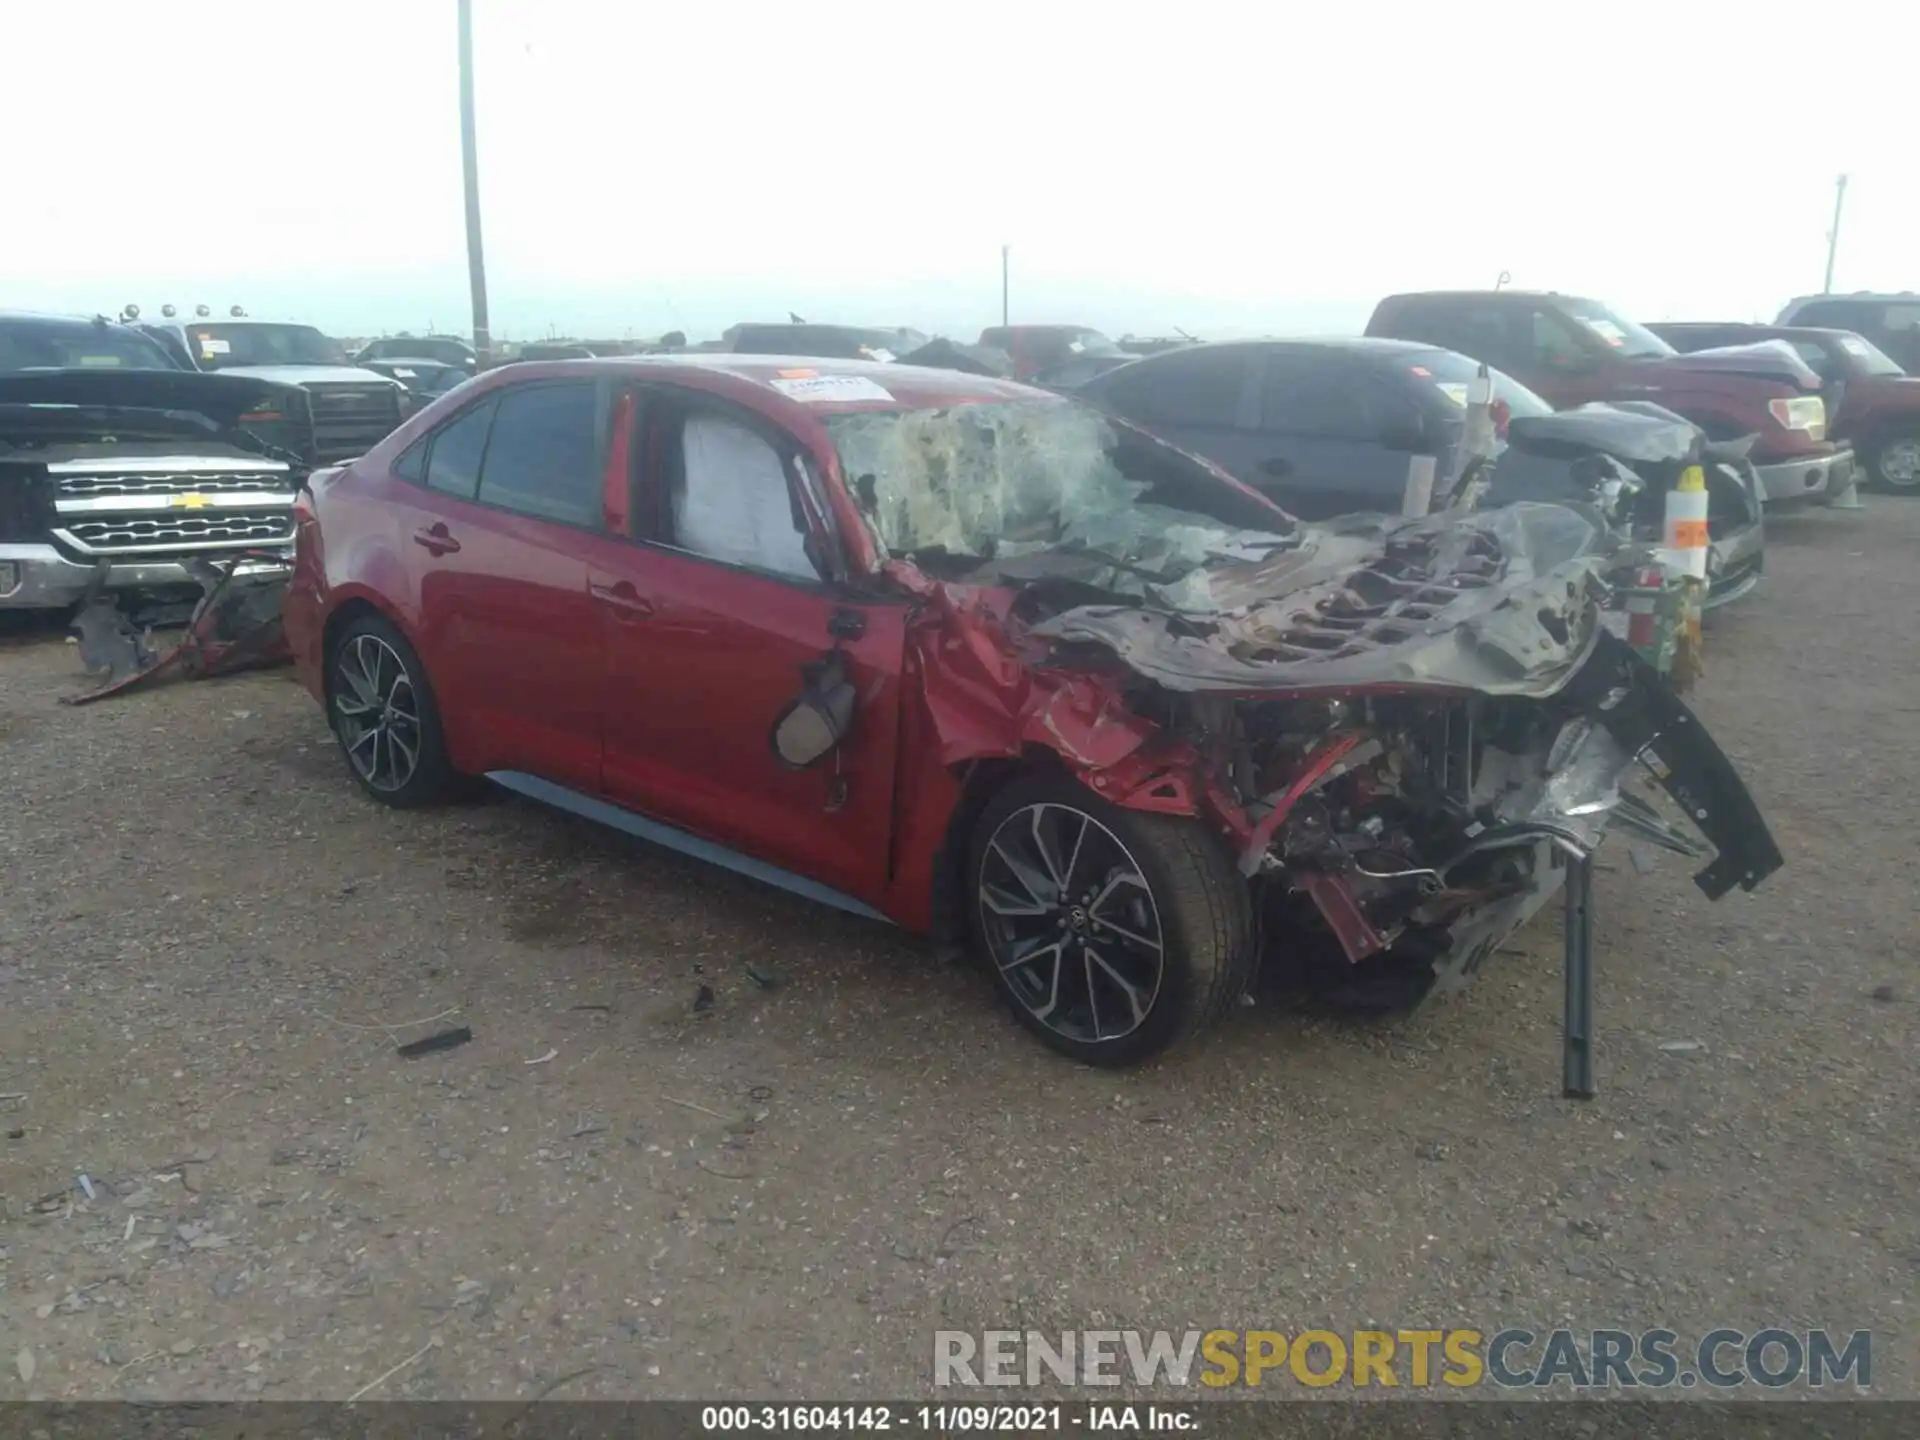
column 707, row 618
column 508, row 632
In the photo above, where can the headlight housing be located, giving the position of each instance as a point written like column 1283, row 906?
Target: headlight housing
column 1801, row 412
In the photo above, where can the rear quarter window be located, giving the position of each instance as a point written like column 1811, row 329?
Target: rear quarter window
column 453, row 458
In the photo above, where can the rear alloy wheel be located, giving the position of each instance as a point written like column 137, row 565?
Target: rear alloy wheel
column 383, row 715
column 1112, row 934
column 1896, row 464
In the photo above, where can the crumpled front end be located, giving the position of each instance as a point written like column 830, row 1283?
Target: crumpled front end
column 1402, row 728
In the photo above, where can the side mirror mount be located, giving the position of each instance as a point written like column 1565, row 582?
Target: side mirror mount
column 814, row 722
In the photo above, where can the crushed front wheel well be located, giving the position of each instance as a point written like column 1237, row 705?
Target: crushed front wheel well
column 982, row 780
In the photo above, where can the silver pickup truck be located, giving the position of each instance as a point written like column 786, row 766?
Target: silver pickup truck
column 116, row 469
column 353, row 408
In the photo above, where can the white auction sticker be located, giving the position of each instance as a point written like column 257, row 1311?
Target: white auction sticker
column 1454, row 391
column 831, row 389
column 211, row 346
column 1607, row 331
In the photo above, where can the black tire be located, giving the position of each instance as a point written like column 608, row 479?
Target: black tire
column 1198, row 902
column 371, row 643
column 1901, row 454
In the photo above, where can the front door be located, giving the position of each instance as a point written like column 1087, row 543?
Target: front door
column 707, row 619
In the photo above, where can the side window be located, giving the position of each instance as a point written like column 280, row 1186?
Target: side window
column 1838, row 315
column 1815, row 354
column 1200, row 387
column 453, row 459
column 1552, row 343
column 1480, row 334
column 729, row 498
column 412, row 464
column 1311, row 395
column 543, row 458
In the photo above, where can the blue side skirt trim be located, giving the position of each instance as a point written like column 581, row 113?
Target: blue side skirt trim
column 559, row 796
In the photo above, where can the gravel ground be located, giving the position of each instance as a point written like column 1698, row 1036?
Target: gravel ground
column 210, row 942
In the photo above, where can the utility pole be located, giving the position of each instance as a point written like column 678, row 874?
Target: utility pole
column 1833, row 235
column 1005, row 250
column 476, row 263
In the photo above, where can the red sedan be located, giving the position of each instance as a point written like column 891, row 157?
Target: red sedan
column 978, row 660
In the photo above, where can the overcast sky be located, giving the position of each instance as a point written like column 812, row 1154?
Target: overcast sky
column 1219, row 167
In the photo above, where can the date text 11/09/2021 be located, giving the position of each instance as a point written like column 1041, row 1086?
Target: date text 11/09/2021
column 950, row 1419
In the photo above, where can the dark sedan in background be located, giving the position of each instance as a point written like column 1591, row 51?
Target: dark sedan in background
column 425, row 378
column 1328, row 427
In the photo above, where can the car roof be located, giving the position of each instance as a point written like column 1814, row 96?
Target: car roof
column 1371, row 347
column 223, row 320
column 818, row 325
column 51, row 321
column 1505, row 293
column 752, row 377
column 1868, row 295
column 1812, row 332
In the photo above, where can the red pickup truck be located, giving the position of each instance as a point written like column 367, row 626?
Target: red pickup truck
column 1573, row 351
column 1873, row 405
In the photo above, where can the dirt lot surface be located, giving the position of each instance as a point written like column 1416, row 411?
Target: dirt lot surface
column 210, row 942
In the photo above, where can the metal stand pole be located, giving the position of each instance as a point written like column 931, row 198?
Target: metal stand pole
column 1577, row 1038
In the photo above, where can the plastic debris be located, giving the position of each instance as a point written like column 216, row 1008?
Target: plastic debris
column 445, row 1040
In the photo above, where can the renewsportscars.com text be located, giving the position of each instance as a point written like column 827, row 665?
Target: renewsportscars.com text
column 1770, row 1358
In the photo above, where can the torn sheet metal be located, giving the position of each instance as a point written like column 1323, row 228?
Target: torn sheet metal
column 235, row 626
column 1626, row 434
column 1504, row 602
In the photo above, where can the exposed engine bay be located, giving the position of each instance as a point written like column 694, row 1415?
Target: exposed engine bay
column 1411, row 725
column 1431, row 830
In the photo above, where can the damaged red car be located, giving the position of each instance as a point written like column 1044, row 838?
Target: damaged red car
column 973, row 658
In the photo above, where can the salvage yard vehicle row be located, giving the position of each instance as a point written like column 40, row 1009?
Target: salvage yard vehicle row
column 976, row 658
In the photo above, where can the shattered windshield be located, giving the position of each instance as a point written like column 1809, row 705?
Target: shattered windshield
column 216, row 347
column 960, row 486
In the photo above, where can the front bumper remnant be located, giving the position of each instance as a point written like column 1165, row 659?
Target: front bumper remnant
column 235, row 626
column 1818, row 477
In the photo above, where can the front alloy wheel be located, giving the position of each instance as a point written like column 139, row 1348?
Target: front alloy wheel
column 1112, row 934
column 1071, row 924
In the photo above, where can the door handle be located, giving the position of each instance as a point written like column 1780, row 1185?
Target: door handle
column 623, row 599
column 1276, row 467
column 435, row 540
